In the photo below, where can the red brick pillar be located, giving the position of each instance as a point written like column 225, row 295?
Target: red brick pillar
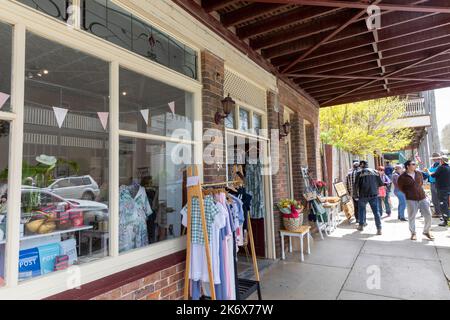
column 213, row 72
column 280, row 183
column 299, row 159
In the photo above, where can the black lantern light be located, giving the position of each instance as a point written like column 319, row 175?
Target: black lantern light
column 228, row 105
column 285, row 129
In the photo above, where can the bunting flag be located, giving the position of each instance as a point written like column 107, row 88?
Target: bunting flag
column 172, row 107
column 3, row 98
column 145, row 114
column 103, row 116
column 60, row 114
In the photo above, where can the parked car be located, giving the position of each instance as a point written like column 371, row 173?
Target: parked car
column 44, row 200
column 84, row 188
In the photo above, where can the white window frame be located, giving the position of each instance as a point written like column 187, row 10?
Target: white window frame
column 24, row 19
column 252, row 111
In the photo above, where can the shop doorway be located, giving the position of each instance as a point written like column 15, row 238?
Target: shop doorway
column 248, row 157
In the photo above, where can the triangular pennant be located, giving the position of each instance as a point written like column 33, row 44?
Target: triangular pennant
column 172, row 107
column 103, row 116
column 145, row 113
column 60, row 114
column 3, row 98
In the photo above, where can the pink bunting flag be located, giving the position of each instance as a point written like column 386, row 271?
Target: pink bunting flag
column 145, row 114
column 3, row 98
column 172, row 107
column 60, row 114
column 103, row 116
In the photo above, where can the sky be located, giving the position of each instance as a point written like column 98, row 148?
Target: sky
column 443, row 107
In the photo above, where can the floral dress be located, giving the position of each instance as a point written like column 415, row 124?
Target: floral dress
column 133, row 214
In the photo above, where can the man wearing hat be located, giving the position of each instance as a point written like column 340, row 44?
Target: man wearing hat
column 442, row 176
column 434, row 193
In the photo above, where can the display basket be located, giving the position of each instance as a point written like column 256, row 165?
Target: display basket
column 293, row 224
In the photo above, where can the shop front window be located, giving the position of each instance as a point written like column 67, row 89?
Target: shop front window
column 229, row 120
column 150, row 106
column 65, row 212
column 244, row 119
column 257, row 123
column 106, row 20
column 4, row 154
column 152, row 191
column 55, row 8
column 5, row 66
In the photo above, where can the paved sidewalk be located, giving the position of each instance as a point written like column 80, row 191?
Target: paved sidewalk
column 343, row 266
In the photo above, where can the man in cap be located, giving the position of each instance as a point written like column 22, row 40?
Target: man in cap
column 442, row 176
column 350, row 182
column 434, row 194
column 365, row 190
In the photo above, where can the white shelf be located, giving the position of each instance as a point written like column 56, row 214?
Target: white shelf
column 53, row 233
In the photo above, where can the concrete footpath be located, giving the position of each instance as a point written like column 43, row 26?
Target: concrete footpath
column 361, row 265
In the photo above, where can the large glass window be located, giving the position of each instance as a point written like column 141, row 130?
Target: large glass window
column 244, row 119
column 5, row 66
column 108, row 21
column 4, row 154
column 150, row 106
column 65, row 216
column 54, row 8
column 152, row 191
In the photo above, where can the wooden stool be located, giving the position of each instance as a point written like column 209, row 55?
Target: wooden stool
column 300, row 233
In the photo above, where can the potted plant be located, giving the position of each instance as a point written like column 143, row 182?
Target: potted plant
column 292, row 213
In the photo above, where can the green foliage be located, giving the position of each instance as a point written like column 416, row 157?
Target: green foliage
column 365, row 127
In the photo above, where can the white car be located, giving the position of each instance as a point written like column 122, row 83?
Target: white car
column 83, row 187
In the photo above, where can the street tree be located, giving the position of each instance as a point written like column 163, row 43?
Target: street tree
column 366, row 127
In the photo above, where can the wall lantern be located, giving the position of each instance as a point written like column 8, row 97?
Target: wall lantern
column 284, row 129
column 228, row 105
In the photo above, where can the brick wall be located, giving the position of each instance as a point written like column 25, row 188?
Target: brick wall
column 299, row 159
column 167, row 284
column 305, row 111
column 279, row 179
column 213, row 70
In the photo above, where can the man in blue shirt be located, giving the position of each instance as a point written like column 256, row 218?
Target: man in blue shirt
column 442, row 176
column 434, row 192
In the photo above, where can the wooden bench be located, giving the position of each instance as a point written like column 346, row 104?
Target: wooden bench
column 303, row 231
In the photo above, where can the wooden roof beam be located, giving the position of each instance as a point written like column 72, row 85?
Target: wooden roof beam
column 214, row 5
column 336, row 76
column 359, row 5
column 389, row 75
column 327, row 38
column 248, row 13
column 285, row 19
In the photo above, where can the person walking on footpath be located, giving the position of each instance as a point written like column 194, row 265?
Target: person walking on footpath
column 350, row 182
column 383, row 193
column 400, row 195
column 442, row 176
column 411, row 184
column 389, row 171
column 434, row 192
column 365, row 191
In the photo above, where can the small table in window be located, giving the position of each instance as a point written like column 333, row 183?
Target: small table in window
column 104, row 236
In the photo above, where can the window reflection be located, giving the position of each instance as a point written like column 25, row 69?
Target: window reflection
column 152, row 191
column 65, row 216
column 5, row 66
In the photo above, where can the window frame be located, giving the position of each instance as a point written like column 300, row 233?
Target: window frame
column 252, row 111
column 25, row 19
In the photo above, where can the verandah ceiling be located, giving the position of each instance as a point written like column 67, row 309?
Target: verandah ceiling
column 326, row 50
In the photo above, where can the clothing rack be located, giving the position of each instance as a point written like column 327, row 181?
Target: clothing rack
column 244, row 287
column 196, row 191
